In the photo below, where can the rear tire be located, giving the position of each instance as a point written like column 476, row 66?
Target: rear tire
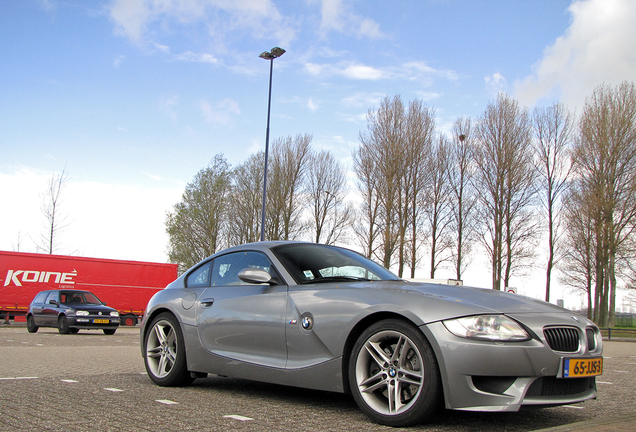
column 31, row 327
column 393, row 374
column 109, row 331
column 165, row 354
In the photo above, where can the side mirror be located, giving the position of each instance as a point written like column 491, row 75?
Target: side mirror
column 54, row 302
column 254, row 276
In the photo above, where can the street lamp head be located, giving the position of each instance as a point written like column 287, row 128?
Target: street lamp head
column 271, row 55
column 277, row 52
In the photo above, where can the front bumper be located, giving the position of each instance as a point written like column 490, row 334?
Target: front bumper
column 504, row 376
column 93, row 322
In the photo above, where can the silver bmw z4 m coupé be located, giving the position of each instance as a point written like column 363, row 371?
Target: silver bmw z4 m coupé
column 326, row 318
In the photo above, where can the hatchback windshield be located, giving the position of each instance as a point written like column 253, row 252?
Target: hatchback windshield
column 312, row 263
column 79, row 297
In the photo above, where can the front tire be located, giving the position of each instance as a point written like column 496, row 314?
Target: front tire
column 394, row 375
column 165, row 358
column 62, row 325
column 31, row 327
column 109, row 331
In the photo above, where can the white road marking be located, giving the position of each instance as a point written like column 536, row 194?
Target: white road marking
column 113, row 389
column 603, row 382
column 18, row 378
column 167, row 402
column 621, row 371
column 571, row 406
column 238, row 417
column 69, row 381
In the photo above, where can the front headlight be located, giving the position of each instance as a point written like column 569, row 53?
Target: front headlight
column 81, row 313
column 487, row 327
column 114, row 313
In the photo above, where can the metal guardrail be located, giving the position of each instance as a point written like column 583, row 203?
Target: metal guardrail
column 631, row 333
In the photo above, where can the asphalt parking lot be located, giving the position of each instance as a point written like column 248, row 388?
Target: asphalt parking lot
column 90, row 381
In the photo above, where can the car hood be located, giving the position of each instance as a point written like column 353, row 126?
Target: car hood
column 444, row 301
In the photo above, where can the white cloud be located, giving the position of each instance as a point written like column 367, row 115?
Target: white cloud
column 412, row 71
column 198, row 57
column 168, row 107
column 133, row 17
column 119, row 60
column 362, row 72
column 338, row 17
column 221, row 113
column 312, row 105
column 495, row 83
column 597, row 48
column 364, row 100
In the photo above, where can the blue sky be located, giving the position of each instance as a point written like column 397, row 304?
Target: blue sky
column 133, row 97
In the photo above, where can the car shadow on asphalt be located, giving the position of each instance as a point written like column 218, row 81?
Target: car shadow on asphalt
column 338, row 404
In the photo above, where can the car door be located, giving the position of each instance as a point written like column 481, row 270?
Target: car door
column 51, row 309
column 242, row 321
column 37, row 307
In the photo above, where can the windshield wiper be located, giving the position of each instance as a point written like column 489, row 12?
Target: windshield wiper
column 336, row 279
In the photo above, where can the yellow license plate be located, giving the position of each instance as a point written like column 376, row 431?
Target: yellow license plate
column 100, row 321
column 576, row 368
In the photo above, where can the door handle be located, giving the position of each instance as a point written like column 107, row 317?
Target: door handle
column 207, row 302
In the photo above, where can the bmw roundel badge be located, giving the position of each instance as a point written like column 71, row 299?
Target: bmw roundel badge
column 307, row 322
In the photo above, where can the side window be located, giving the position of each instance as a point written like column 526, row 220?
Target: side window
column 227, row 267
column 53, row 296
column 40, row 297
column 200, row 277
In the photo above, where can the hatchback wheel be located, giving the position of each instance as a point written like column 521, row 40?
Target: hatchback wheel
column 31, row 327
column 62, row 325
column 394, row 375
column 165, row 357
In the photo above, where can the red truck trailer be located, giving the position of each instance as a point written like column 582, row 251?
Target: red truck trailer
column 124, row 285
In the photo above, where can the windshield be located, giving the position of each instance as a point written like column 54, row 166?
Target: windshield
column 314, row 263
column 79, row 297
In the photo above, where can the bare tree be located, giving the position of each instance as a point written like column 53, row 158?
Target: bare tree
column 437, row 204
column 605, row 163
column 285, row 183
column 195, row 227
column 382, row 143
column 327, row 182
column 365, row 227
column 505, row 183
column 245, row 201
column 553, row 132
column 578, row 261
column 420, row 133
column 463, row 196
column 55, row 222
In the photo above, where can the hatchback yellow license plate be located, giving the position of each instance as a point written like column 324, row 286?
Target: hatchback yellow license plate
column 577, row 368
column 100, row 321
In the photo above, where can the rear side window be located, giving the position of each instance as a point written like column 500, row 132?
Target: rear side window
column 200, row 277
column 40, row 297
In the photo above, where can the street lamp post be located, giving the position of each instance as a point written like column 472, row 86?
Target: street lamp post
column 268, row 55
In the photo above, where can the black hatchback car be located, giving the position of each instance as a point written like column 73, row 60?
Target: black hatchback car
column 70, row 311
